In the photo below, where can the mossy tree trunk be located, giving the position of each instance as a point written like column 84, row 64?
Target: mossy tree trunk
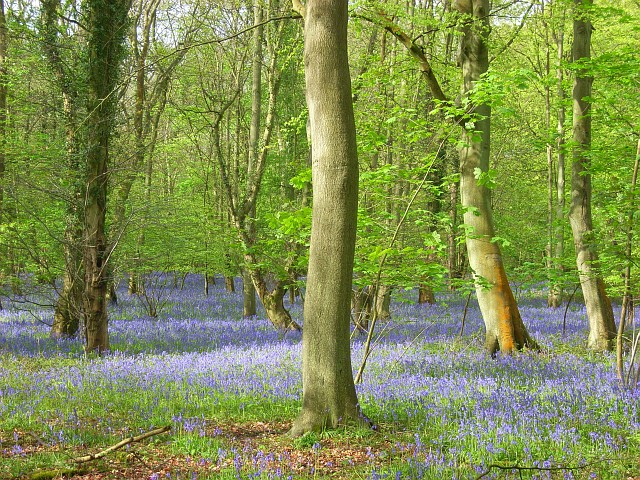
column 107, row 27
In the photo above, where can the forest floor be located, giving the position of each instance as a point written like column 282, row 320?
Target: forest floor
column 228, row 389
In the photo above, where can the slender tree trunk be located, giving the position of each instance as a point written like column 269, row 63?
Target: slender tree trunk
column 505, row 330
column 602, row 327
column 242, row 210
column 361, row 303
column 4, row 39
column 249, row 291
column 106, row 30
column 551, row 187
column 383, row 302
column 68, row 308
column 556, row 291
column 627, row 301
column 329, row 395
column 453, row 266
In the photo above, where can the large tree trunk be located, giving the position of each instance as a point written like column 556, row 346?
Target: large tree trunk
column 602, row 327
column 329, row 395
column 106, row 29
column 505, row 330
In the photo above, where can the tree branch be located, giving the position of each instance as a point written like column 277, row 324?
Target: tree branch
column 515, row 34
column 122, row 443
column 417, row 53
column 538, row 469
column 298, row 7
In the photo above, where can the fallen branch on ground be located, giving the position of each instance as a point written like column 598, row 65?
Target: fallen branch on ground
column 122, row 443
column 520, row 469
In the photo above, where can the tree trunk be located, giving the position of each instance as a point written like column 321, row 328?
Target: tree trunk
column 274, row 306
column 627, row 300
column 4, row 39
column 248, row 295
column 229, row 284
column 383, row 302
column 361, row 306
column 602, row 327
column 68, row 309
column 249, row 291
column 453, row 267
column 556, row 291
column 273, row 301
column 425, row 295
column 209, row 280
column 329, row 395
column 106, row 32
column 112, row 295
column 132, row 284
column 505, row 330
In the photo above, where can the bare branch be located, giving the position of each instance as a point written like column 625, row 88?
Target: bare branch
column 515, row 34
column 122, row 443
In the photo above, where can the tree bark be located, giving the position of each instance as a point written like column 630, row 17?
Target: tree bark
column 106, row 32
column 602, row 327
column 329, row 395
column 4, row 39
column 150, row 100
column 249, row 290
column 453, row 265
column 505, row 330
column 383, row 302
column 556, row 291
column 361, row 305
column 425, row 295
column 68, row 308
column 627, row 300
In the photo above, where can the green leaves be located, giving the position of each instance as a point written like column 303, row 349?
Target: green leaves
column 487, row 179
column 301, row 180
